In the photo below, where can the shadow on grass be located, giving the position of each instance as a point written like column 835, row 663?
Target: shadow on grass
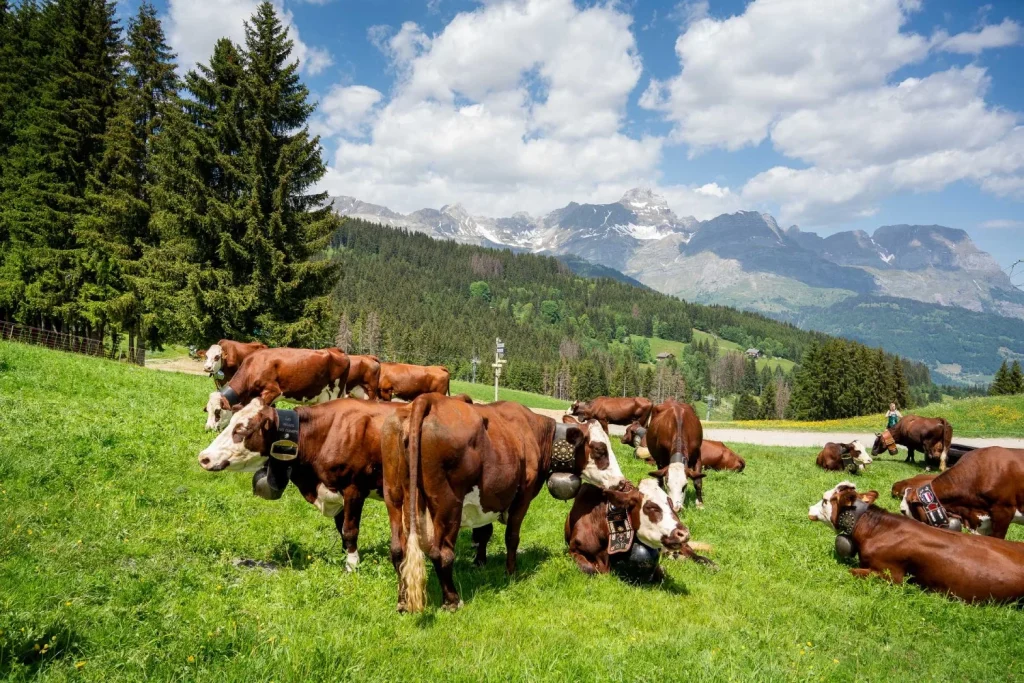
column 30, row 647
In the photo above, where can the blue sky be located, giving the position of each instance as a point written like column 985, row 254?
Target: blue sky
column 829, row 115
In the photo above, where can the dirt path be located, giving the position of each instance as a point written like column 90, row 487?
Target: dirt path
column 186, row 365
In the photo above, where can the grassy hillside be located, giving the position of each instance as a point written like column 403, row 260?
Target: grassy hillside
column 119, row 560
column 677, row 348
column 485, row 393
column 984, row 416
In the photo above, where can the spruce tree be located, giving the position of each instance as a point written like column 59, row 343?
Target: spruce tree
column 745, row 408
column 750, row 375
column 1001, row 385
column 1016, row 379
column 768, row 401
column 901, row 393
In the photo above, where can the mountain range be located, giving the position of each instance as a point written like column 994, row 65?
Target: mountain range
column 746, row 260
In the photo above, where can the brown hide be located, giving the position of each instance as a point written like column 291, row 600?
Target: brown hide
column 364, row 372
column 831, row 456
column 297, row 374
column 675, row 428
column 611, row 410
column 406, row 382
column 986, row 481
column 914, row 482
column 930, row 435
column 232, row 355
column 715, row 455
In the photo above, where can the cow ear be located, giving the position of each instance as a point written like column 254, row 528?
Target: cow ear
column 574, row 435
column 659, row 474
column 868, row 497
column 224, row 403
column 623, row 499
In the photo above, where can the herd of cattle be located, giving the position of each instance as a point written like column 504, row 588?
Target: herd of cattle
column 441, row 463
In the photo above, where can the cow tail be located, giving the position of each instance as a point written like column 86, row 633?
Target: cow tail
column 947, row 439
column 413, row 569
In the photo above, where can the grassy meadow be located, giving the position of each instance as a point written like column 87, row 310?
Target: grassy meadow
column 119, row 560
column 485, row 393
column 986, row 416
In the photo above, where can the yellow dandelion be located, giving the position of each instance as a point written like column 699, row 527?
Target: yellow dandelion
column 809, row 644
column 835, row 661
column 67, row 604
column 79, row 665
column 191, row 659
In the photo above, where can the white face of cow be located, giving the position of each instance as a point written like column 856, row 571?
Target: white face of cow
column 659, row 524
column 861, row 455
column 675, row 483
column 822, row 510
column 218, row 413
column 228, row 451
column 607, row 477
column 214, row 359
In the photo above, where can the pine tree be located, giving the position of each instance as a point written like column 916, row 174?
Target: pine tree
column 901, row 393
column 768, row 402
column 746, row 407
column 1016, row 379
column 1001, row 383
column 750, row 375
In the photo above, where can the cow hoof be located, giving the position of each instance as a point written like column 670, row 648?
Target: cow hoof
column 402, row 609
column 453, row 607
column 700, row 505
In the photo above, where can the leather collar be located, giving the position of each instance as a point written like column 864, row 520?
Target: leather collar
column 285, row 442
column 849, row 517
column 563, row 454
column 229, row 394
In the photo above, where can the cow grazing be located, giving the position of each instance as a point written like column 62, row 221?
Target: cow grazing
column 337, row 465
column 714, row 455
column 674, row 440
column 452, row 464
column 985, row 490
column 972, row 568
column 301, row 375
column 223, row 359
column 650, row 515
column 406, row 382
column 363, row 376
column 915, row 482
column 609, row 410
column 843, row 456
column 930, row 435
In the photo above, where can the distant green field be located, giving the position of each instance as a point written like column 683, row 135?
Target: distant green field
column 485, row 393
column 119, row 562
column 978, row 417
column 674, row 347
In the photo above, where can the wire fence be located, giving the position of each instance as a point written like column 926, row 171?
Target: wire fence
column 62, row 341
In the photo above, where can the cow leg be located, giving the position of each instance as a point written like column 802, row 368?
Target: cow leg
column 910, row 455
column 442, row 553
column 481, row 537
column 893, row 575
column 697, row 466
column 395, row 513
column 271, row 392
column 348, row 526
column 1002, row 517
column 604, row 425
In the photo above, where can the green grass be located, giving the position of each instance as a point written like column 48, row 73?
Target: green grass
column 988, row 416
column 485, row 392
column 115, row 544
column 667, row 345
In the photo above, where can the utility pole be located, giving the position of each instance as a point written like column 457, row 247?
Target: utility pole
column 709, row 399
column 499, row 362
column 475, row 361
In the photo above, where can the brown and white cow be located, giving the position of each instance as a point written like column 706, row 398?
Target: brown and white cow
column 651, row 517
column 915, row 482
column 363, row 376
column 405, row 382
column 613, row 410
column 985, row 490
column 302, row 375
column 714, row 455
column 832, row 457
column 674, row 440
column 972, row 568
column 452, row 465
column 223, row 359
column 337, row 465
column 930, row 435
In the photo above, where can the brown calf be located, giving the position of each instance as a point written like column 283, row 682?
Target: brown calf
column 972, row 568
column 930, row 435
column 843, row 456
column 609, row 410
column 337, row 465
column 298, row 374
column 406, row 382
column 364, row 373
column 223, row 359
column 452, row 464
column 985, row 490
column 674, row 440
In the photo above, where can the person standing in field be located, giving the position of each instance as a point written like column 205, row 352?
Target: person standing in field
column 892, row 417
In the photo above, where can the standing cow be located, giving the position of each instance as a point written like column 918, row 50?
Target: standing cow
column 618, row 411
column 674, row 440
column 301, row 375
column 364, row 376
column 714, row 455
column 225, row 357
column 406, row 382
column 452, row 465
column 930, row 435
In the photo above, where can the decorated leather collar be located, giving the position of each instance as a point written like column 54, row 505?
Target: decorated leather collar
column 285, row 444
column 849, row 517
column 563, row 453
column 934, row 513
column 889, row 442
column 849, row 463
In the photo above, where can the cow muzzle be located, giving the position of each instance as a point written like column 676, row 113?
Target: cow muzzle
column 676, row 539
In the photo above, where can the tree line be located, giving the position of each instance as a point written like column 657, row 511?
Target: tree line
column 1008, row 381
column 136, row 204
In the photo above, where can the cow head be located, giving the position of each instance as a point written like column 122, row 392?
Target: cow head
column 240, row 447
column 599, row 466
column 632, row 432
column 214, row 359
column 218, row 411
column 673, row 478
column 836, row 500
column 575, row 408
column 860, row 456
column 651, row 514
column 901, row 487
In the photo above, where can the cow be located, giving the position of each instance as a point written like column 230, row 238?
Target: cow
column 610, row 410
column 843, row 456
column 714, row 455
column 674, row 440
column 915, row 482
column 301, row 375
column 406, row 382
column 972, row 568
column 363, row 376
column 222, row 360
column 335, row 465
column 450, row 464
column 985, row 490
column 930, row 435
column 652, row 523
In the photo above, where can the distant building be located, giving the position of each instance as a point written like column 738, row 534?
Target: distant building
column 665, row 355
column 753, row 353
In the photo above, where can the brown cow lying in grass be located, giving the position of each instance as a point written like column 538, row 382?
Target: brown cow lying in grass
column 972, row 568
column 843, row 456
column 714, row 455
